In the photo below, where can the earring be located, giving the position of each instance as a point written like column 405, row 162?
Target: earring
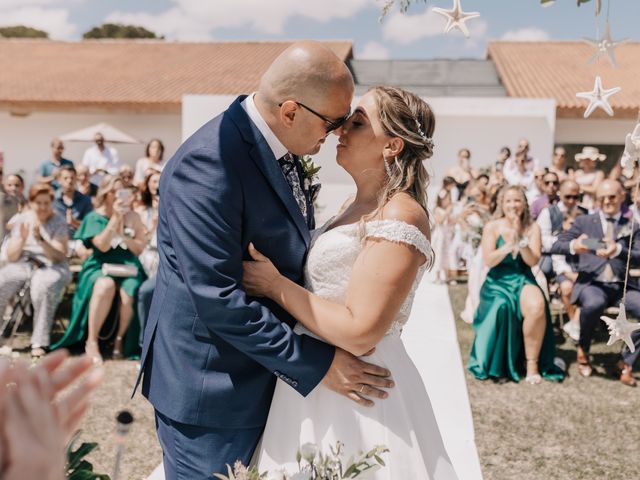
column 387, row 167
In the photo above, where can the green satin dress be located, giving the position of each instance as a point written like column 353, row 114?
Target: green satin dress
column 498, row 346
column 76, row 332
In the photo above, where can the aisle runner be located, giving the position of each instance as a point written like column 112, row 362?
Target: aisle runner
column 431, row 340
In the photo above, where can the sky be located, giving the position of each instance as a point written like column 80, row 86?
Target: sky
column 416, row 34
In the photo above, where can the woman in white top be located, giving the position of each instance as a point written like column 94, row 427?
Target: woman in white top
column 152, row 161
column 587, row 176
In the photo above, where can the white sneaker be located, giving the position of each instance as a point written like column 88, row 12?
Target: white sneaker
column 572, row 329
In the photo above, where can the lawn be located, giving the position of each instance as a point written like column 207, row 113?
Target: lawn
column 579, row 429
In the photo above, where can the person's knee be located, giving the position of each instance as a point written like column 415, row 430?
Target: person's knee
column 566, row 288
column 125, row 298
column 104, row 287
column 592, row 303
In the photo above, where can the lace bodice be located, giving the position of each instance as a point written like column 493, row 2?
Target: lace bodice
column 334, row 252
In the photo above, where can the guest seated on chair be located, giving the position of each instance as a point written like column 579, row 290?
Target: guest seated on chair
column 37, row 250
column 602, row 271
column 72, row 206
column 117, row 236
column 512, row 323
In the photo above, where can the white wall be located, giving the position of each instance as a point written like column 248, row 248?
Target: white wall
column 25, row 140
column 483, row 125
column 593, row 132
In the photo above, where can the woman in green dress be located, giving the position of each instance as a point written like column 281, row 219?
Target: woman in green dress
column 116, row 235
column 513, row 331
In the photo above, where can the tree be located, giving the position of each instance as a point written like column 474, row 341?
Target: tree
column 116, row 30
column 20, row 31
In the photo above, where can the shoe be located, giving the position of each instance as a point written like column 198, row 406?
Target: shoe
column 37, row 352
column 584, row 367
column 534, row 379
column 117, row 349
column 572, row 330
column 93, row 351
column 626, row 375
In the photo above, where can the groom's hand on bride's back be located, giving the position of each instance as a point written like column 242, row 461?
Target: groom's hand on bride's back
column 360, row 381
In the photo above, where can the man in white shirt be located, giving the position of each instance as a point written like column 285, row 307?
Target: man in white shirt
column 100, row 160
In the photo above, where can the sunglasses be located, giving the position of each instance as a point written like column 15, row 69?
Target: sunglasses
column 331, row 124
column 571, row 197
column 611, row 198
column 551, row 182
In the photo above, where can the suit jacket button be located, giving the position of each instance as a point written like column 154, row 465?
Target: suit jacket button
column 294, row 384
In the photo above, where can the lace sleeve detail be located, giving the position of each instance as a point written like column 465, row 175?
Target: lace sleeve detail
column 401, row 232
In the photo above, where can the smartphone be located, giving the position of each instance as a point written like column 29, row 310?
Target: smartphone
column 123, row 194
column 594, row 243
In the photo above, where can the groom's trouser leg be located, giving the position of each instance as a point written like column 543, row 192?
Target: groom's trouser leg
column 191, row 452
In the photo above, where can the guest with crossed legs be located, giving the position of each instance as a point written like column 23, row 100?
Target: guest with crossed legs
column 602, row 272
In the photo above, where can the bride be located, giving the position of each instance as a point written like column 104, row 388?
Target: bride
column 361, row 276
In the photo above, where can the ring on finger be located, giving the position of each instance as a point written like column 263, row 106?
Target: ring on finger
column 361, row 388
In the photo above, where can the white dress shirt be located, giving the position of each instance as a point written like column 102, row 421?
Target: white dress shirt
column 95, row 160
column 278, row 149
column 546, row 229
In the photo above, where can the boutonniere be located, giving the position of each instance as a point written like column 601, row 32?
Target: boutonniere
column 624, row 231
column 310, row 176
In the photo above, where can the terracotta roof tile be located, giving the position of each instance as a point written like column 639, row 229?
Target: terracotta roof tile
column 150, row 75
column 559, row 70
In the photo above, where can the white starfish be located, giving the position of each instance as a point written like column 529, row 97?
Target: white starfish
column 620, row 328
column 631, row 154
column 456, row 18
column 605, row 46
column 598, row 98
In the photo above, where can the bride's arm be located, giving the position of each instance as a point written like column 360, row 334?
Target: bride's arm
column 380, row 281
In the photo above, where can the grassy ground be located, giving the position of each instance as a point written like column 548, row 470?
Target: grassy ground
column 580, row 429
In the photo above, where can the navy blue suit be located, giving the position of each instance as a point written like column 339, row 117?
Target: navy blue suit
column 594, row 296
column 211, row 354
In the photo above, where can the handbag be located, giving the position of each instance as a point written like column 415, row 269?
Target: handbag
column 119, row 270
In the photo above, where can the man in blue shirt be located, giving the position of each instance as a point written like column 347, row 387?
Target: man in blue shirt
column 49, row 168
column 69, row 202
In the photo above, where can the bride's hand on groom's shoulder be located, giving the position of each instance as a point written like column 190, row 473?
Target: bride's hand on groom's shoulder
column 260, row 275
column 359, row 381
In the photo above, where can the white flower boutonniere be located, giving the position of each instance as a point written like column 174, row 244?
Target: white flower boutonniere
column 310, row 177
column 624, row 232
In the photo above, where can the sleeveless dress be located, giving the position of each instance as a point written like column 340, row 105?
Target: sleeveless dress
column 404, row 422
column 498, row 346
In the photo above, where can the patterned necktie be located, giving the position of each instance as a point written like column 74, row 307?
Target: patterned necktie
column 290, row 172
column 607, row 274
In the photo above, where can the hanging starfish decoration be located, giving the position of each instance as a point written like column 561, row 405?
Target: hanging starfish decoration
column 620, row 328
column 631, row 154
column 456, row 18
column 605, row 46
column 598, row 98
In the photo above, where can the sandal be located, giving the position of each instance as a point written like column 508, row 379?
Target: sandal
column 93, row 351
column 534, row 378
column 117, row 349
column 37, row 352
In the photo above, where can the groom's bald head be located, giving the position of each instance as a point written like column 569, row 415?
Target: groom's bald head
column 307, row 71
column 310, row 74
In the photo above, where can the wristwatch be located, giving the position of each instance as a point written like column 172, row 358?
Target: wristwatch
column 524, row 242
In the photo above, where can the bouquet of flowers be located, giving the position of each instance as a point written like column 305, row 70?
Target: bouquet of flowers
column 314, row 465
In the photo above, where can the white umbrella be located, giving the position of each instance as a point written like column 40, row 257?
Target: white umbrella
column 110, row 133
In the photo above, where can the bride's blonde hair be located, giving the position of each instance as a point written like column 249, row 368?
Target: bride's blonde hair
column 405, row 115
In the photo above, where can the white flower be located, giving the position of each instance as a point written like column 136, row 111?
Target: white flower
column 278, row 475
column 301, row 475
column 308, row 452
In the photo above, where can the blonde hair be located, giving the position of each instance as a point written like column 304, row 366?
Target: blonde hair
column 406, row 116
column 107, row 185
column 525, row 216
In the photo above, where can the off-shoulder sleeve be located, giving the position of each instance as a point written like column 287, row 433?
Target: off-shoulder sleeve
column 401, row 232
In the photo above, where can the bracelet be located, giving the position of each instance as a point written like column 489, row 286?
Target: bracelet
column 524, row 242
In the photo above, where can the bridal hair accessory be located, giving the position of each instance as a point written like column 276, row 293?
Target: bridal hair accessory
column 428, row 141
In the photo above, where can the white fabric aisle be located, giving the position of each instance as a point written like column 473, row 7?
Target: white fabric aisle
column 431, row 340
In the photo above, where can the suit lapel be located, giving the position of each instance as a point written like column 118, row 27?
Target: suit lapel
column 597, row 225
column 261, row 154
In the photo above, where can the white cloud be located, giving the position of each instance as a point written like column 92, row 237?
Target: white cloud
column 404, row 29
column 373, row 51
column 198, row 20
column 528, row 34
column 55, row 21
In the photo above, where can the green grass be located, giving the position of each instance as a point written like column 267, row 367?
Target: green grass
column 578, row 429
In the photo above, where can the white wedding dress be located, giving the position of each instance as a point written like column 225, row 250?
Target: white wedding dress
column 404, row 422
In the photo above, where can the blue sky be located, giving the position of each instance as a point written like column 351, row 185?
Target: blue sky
column 416, row 34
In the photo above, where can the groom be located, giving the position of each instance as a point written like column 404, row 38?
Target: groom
column 211, row 354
